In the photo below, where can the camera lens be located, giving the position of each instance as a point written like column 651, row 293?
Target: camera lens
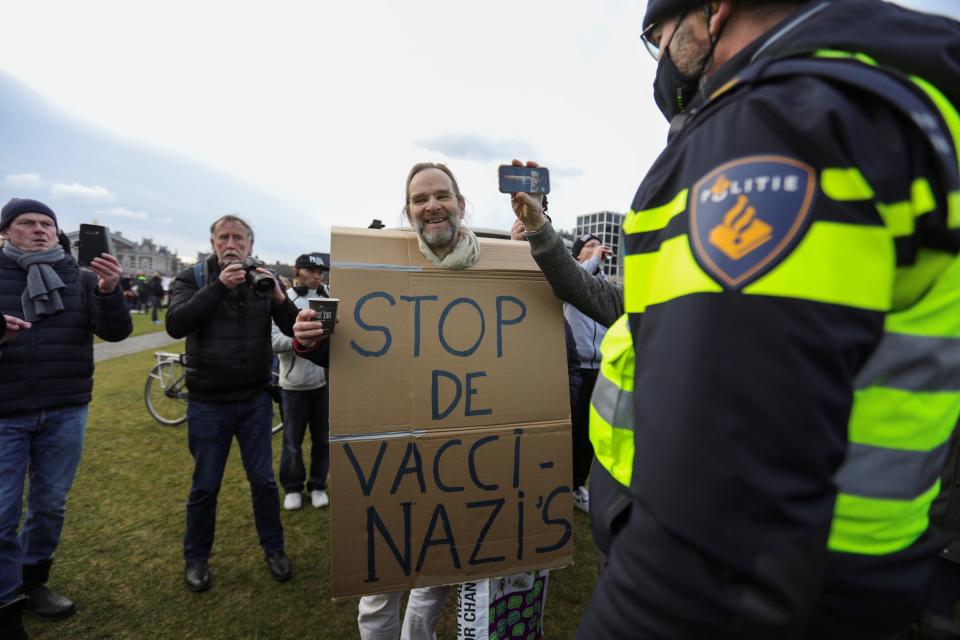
column 261, row 282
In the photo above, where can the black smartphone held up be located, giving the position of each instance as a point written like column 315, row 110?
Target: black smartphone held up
column 92, row 241
column 514, row 179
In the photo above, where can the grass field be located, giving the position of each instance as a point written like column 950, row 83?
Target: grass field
column 120, row 555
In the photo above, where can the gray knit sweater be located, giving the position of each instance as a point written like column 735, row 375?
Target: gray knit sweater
column 602, row 300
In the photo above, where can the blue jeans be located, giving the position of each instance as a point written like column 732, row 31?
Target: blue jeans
column 299, row 409
column 47, row 443
column 211, row 428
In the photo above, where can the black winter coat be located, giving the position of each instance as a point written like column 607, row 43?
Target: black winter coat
column 51, row 364
column 229, row 352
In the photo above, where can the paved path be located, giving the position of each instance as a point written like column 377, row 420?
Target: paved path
column 108, row 350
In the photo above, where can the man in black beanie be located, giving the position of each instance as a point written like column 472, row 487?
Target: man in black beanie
column 51, row 311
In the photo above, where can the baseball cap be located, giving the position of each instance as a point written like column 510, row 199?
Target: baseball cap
column 313, row 261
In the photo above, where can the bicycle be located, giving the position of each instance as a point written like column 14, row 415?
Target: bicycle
column 165, row 392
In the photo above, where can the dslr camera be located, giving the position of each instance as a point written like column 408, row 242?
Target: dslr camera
column 261, row 282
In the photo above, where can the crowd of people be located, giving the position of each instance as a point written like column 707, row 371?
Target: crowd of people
column 144, row 294
column 765, row 407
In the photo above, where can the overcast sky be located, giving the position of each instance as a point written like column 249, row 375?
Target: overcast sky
column 155, row 118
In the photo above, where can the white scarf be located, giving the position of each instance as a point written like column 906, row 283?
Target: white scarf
column 464, row 255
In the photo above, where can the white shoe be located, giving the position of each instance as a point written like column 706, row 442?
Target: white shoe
column 292, row 501
column 319, row 498
column 581, row 499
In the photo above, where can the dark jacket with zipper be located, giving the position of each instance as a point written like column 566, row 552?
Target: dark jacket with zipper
column 50, row 364
column 229, row 355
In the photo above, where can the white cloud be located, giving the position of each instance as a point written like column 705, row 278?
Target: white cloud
column 472, row 146
column 123, row 212
column 23, row 180
column 77, row 191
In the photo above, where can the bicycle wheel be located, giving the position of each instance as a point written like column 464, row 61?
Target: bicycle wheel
column 165, row 394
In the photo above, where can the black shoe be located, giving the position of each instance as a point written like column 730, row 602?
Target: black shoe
column 197, row 575
column 49, row 605
column 279, row 565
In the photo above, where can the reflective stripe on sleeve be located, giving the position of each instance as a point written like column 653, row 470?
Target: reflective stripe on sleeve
column 667, row 274
column 871, row 526
column 917, row 421
column 612, row 403
column 843, row 264
column 913, row 363
column 892, row 474
column 656, row 217
column 613, row 448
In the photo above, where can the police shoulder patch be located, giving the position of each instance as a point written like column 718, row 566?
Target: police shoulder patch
column 746, row 214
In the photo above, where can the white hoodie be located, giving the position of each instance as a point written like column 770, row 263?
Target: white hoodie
column 298, row 374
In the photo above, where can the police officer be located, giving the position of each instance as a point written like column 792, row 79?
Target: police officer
column 792, row 312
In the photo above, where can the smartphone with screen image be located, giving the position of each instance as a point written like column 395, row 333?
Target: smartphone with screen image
column 93, row 240
column 514, row 179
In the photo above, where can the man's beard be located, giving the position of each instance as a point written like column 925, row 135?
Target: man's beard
column 441, row 238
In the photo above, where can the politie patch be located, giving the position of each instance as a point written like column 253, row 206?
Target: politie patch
column 746, row 214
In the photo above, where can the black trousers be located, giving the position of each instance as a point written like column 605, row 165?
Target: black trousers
column 580, row 418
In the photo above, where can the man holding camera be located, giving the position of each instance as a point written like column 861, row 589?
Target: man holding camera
column 224, row 307
column 50, row 310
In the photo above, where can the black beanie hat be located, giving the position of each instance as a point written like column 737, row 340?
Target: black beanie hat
column 582, row 240
column 19, row 206
column 658, row 10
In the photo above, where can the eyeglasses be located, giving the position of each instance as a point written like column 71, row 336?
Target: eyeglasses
column 648, row 35
column 652, row 34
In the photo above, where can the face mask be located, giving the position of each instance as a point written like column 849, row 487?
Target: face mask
column 672, row 90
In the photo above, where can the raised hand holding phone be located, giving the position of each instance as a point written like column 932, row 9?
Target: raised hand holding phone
column 528, row 207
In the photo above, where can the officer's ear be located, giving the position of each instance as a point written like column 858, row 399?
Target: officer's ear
column 717, row 14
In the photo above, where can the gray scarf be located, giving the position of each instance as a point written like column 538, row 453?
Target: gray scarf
column 41, row 296
column 464, row 255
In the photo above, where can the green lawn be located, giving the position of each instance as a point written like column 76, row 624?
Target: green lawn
column 142, row 323
column 120, row 556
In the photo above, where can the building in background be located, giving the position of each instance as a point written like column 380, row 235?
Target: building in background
column 137, row 257
column 606, row 226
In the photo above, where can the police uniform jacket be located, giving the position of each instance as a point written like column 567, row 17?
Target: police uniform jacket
column 785, row 227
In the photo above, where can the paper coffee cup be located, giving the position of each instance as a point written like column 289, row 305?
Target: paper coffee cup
column 326, row 309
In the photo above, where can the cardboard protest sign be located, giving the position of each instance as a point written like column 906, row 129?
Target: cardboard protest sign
column 449, row 417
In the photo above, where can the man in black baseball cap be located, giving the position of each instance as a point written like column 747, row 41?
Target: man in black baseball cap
column 306, row 401
column 319, row 261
